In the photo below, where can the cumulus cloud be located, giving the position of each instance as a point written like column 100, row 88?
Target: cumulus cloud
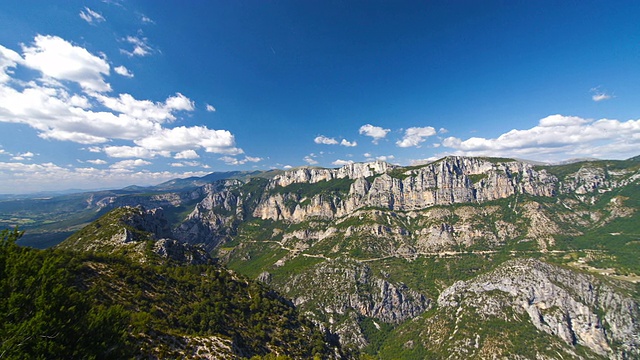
column 121, row 70
column 97, row 162
column 376, row 132
column 187, row 154
column 91, row 116
column 210, row 108
column 184, row 138
column 346, row 143
column 146, row 109
column 140, row 46
column 8, row 59
column 233, row 161
column 370, row 157
column 91, row 16
column 558, row 137
column 129, row 164
column 310, row 159
column 133, row 152
column 23, row 156
column 340, row 162
column 325, row 140
column 59, row 59
column 414, row 136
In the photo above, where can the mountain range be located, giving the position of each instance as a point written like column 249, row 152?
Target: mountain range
column 460, row 258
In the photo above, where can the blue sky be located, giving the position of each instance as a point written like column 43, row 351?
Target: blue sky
column 105, row 94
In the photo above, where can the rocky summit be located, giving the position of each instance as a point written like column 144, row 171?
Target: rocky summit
column 461, row 258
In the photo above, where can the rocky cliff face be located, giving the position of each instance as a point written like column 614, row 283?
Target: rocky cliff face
column 341, row 291
column 136, row 232
column 450, row 181
column 577, row 308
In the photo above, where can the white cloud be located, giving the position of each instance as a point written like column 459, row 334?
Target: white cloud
column 187, row 154
column 145, row 19
column 121, row 70
column 59, row 59
column 177, row 164
column 287, row 167
column 18, row 177
column 146, row 109
column 184, row 138
column 55, row 114
column 385, row 157
column 414, row 136
column 342, row 162
column 8, row 59
column 90, row 16
column 233, row 161
column 309, row 159
column 129, row 164
column 443, row 131
column 599, row 95
column 97, row 162
column 140, row 46
column 558, row 137
column 210, row 108
column 23, row 156
column 133, row 152
column 376, row 132
column 346, row 143
column 325, row 140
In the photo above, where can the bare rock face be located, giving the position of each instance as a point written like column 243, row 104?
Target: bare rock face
column 578, row 308
column 339, row 288
column 211, row 222
column 450, row 181
column 314, row 175
column 181, row 252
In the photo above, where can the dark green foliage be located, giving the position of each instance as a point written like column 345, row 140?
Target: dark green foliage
column 60, row 304
column 45, row 312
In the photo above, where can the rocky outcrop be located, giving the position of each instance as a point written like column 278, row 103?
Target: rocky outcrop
column 350, row 287
column 181, row 252
column 135, row 231
column 313, row 175
column 214, row 218
column 449, row 181
column 578, row 308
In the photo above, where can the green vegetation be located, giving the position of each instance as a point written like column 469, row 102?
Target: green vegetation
column 60, row 304
column 562, row 171
column 443, row 334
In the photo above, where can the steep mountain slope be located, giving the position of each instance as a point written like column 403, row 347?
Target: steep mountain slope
column 148, row 297
column 337, row 240
column 525, row 308
column 488, row 257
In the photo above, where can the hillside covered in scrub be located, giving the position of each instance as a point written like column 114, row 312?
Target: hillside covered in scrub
column 80, row 304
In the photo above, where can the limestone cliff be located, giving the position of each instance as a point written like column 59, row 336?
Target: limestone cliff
column 577, row 308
